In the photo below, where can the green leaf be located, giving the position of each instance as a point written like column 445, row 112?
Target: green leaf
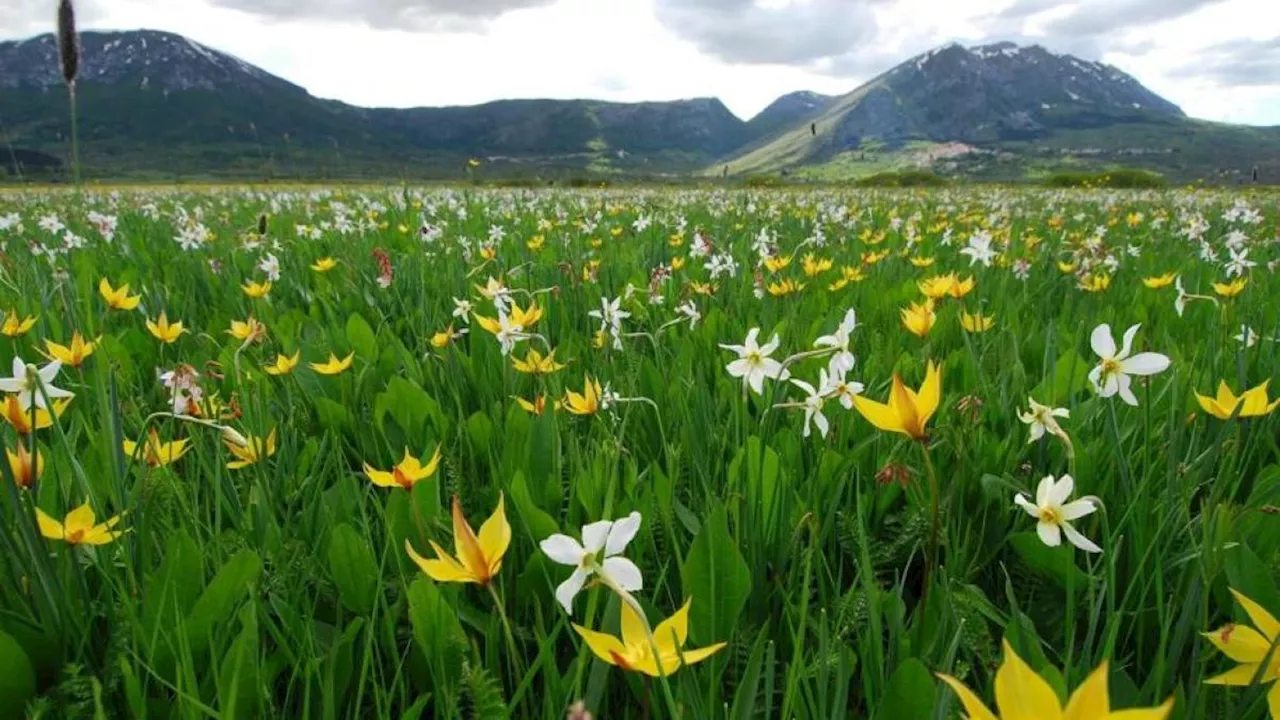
column 909, row 694
column 354, row 569
column 333, row 415
column 1252, row 578
column 239, row 680
column 1057, row 564
column 17, row 677
column 480, row 428
column 361, row 337
column 174, row 588
column 540, row 524
column 219, row 600
column 1070, row 377
column 716, row 577
column 437, row 631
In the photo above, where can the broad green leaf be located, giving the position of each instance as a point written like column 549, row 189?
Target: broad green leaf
column 1252, row 578
column 17, row 677
column 354, row 568
column 909, row 694
column 239, row 681
column 540, row 524
column 217, row 603
column 436, row 629
column 717, row 578
column 1057, row 564
column 361, row 337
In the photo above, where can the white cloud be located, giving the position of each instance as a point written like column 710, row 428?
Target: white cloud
column 747, row 52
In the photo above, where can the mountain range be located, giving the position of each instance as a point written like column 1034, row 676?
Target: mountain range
column 158, row 105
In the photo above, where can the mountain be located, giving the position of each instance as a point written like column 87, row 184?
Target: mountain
column 957, row 106
column 151, row 102
column 788, row 110
column 154, row 105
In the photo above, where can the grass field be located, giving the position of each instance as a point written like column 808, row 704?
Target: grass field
column 340, row 453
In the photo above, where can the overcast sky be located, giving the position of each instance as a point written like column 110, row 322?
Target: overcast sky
column 1218, row 59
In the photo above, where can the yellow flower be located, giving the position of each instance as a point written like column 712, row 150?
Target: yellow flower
column 536, row 243
column 535, row 364
column 537, row 407
column 479, row 558
column 1231, row 289
column 1159, row 281
column 156, row 453
column 976, row 323
column 701, row 288
column 1250, row 647
column 15, row 327
column 526, row 319
column 1095, row 283
column 922, row 262
column 871, row 258
column 164, row 331
column 774, row 264
column 1252, row 403
column 24, row 473
column 963, row 287
column 677, row 263
column 249, row 450
column 1067, row 267
column 256, row 290
column 813, row 266
column 785, row 287
column 333, row 366
column 488, row 252
column 853, row 273
column 588, row 403
column 79, row 527
column 938, row 286
column 74, row 354
column 118, row 298
column 442, row 339
column 284, row 364
column 324, row 264
column 919, row 318
column 20, row 419
column 838, row 285
column 473, row 163
column 633, row 650
column 1021, row 694
column 247, row 330
column 907, row 412
column 406, row 474
column 599, row 339
column 1134, row 219
column 676, row 240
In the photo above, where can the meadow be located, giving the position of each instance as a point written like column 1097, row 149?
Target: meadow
column 431, row 453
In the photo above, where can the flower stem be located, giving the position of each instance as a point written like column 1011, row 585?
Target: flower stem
column 935, row 524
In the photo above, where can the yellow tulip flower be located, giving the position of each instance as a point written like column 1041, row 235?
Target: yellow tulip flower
column 15, row 326
column 526, row 318
column 1250, row 647
column 535, row 364
column 118, row 298
column 814, row 266
column 164, row 331
column 1252, row 403
column 156, row 453
column 588, row 403
column 537, row 407
column 479, row 558
column 324, row 264
column 256, row 290
column 784, row 288
column 907, row 411
column 774, row 264
column 406, row 474
column 80, row 527
column 284, row 364
column 246, row 330
column 249, row 450
column 1159, row 281
column 1022, row 693
column 1231, row 289
column 919, row 319
column 677, row 263
column 333, row 366
column 73, row 354
column 20, row 419
column 633, row 650
column 922, row 262
column 960, row 288
column 938, row 286
column 976, row 322
column 25, row 472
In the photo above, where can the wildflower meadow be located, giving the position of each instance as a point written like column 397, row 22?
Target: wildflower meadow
column 404, row 452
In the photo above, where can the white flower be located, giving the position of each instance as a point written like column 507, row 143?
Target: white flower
column 27, row 380
column 689, row 310
column 842, row 362
column 1042, row 419
column 1239, row 263
column 754, row 364
column 1055, row 517
column 1112, row 375
column 813, row 404
column 979, row 249
column 509, row 333
column 598, row 554
column 610, row 315
column 271, row 266
column 1247, row 336
column 837, row 387
column 462, row 310
column 1180, row 304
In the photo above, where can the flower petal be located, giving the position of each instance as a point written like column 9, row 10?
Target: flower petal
column 567, row 590
column 1147, row 363
column 973, row 707
column 1240, row 643
column 1021, row 694
column 1104, row 346
column 595, row 535
column 623, row 572
column 563, row 549
column 621, row 533
column 1090, row 701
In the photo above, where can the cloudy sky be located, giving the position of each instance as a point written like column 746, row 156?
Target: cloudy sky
column 1218, row 59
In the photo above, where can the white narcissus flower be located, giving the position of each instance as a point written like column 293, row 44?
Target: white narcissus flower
column 813, row 404
column 837, row 387
column 1042, row 419
column 1112, row 374
column 843, row 360
column 27, row 381
column 598, row 554
column 1055, row 513
column 754, row 364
